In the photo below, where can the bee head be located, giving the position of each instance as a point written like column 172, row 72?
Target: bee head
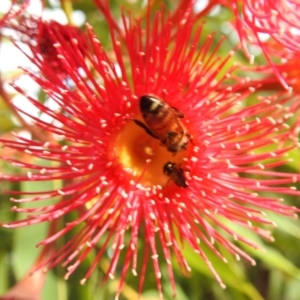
column 168, row 168
column 150, row 104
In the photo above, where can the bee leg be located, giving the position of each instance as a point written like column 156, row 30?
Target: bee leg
column 141, row 124
column 190, row 138
column 182, row 169
column 169, row 180
column 177, row 112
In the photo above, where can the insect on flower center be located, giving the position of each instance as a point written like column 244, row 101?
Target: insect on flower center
column 143, row 156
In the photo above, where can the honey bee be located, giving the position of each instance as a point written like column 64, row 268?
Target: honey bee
column 162, row 123
column 175, row 173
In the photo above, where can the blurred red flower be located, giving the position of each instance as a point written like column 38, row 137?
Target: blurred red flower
column 14, row 11
column 112, row 170
column 41, row 38
column 260, row 20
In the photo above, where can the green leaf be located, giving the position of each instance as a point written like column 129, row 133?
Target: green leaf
column 287, row 225
column 26, row 237
column 271, row 256
column 6, row 123
column 51, row 287
column 4, row 271
column 295, row 158
column 231, row 274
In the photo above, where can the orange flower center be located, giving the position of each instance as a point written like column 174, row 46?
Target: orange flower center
column 144, row 156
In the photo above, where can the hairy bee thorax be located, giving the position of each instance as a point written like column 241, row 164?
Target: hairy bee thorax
column 162, row 123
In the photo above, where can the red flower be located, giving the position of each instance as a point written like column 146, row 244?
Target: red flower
column 113, row 170
column 279, row 20
column 288, row 68
column 14, row 11
column 42, row 36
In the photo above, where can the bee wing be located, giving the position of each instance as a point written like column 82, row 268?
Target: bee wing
column 141, row 124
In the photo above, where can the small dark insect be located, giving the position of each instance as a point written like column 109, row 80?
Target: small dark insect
column 162, row 123
column 175, row 173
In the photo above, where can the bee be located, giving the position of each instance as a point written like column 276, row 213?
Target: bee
column 163, row 124
column 175, row 173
